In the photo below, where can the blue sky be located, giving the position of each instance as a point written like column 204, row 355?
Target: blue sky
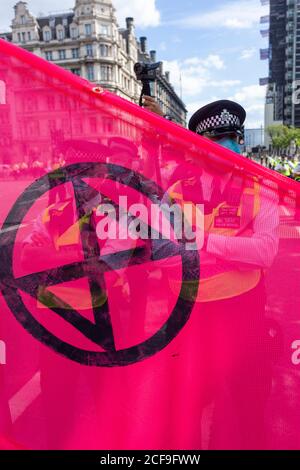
column 214, row 45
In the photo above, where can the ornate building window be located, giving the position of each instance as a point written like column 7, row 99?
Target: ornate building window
column 60, row 33
column 49, row 55
column 106, row 73
column 88, row 29
column 89, row 50
column 47, row 34
column 105, row 50
column 74, row 32
column 75, row 53
column 104, row 30
column 90, row 71
column 62, row 54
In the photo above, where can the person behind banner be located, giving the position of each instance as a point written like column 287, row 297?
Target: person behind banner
column 241, row 241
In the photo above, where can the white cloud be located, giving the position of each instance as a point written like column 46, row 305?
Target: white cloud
column 162, row 46
column 198, row 90
column 214, row 61
column 176, row 40
column 144, row 12
column 224, row 84
column 242, row 14
column 193, row 106
column 252, row 97
column 250, row 94
column 196, row 74
column 247, row 53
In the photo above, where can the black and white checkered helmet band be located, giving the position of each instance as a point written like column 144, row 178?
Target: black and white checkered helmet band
column 225, row 119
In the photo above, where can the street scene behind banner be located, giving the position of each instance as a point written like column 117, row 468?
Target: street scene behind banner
column 138, row 334
column 149, row 274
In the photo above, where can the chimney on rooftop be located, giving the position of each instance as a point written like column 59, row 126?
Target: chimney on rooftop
column 143, row 41
column 153, row 56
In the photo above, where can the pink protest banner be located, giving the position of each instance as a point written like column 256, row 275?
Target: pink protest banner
column 118, row 329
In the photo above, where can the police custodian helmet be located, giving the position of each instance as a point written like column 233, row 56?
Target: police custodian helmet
column 219, row 118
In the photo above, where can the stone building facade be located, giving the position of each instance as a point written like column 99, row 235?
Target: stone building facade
column 88, row 42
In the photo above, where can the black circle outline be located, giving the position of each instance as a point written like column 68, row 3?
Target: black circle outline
column 190, row 270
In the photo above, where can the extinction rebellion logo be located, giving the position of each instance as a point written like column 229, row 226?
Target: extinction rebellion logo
column 95, row 265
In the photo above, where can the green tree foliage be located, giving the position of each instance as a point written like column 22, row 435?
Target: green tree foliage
column 282, row 137
column 297, row 137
